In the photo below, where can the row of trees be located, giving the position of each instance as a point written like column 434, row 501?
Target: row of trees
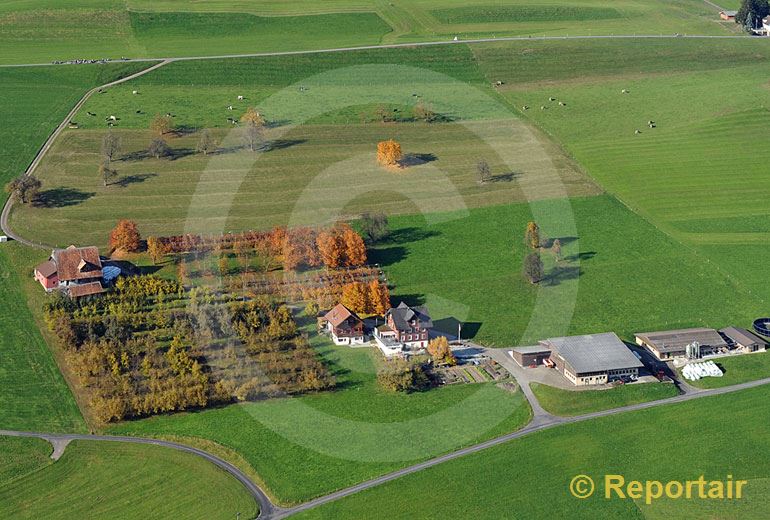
column 295, row 248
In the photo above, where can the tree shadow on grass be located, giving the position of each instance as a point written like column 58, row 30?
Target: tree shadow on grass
column 137, row 155
column 280, row 144
column 133, row 179
column 584, row 255
column 416, row 159
column 408, row 234
column 561, row 273
column 386, row 256
column 449, row 326
column 179, row 153
column 61, row 197
column 503, row 177
column 412, row 300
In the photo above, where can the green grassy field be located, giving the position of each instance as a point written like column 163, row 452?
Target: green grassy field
column 34, row 395
column 476, row 276
column 105, row 480
column 35, row 100
column 308, row 446
column 316, row 174
column 529, row 477
column 567, row 402
column 694, row 176
column 738, row 369
column 43, row 30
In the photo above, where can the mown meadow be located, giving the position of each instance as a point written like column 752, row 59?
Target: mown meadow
column 529, row 477
column 40, row 31
column 105, row 480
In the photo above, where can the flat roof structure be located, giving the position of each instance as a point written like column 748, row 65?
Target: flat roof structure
column 534, row 349
column 594, row 352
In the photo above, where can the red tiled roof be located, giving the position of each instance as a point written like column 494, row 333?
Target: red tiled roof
column 85, row 289
column 47, row 269
column 77, row 263
column 339, row 314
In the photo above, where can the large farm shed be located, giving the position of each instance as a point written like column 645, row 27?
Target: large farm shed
column 670, row 344
column 593, row 359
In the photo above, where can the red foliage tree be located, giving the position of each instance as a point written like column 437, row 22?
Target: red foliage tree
column 125, row 236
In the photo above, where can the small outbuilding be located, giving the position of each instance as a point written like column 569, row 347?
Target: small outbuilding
column 728, row 15
column 531, row 356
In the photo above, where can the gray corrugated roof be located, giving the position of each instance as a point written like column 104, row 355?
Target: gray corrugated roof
column 594, row 352
column 675, row 340
column 742, row 337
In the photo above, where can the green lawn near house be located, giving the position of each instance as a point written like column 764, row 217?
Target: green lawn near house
column 618, row 273
column 579, row 402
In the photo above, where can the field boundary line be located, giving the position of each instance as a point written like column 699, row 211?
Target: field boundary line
column 4, row 225
column 468, row 41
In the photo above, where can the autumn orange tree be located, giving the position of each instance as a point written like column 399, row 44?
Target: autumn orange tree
column 125, row 236
column 354, row 297
column 439, row 350
column 389, row 152
column 379, row 297
column 532, row 235
column 331, row 247
column 355, row 249
column 160, row 125
column 251, row 116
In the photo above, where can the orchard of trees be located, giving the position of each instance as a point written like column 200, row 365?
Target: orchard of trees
column 150, row 346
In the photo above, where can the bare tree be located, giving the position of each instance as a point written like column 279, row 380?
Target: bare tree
column 206, row 142
column 24, row 189
column 253, row 136
column 110, row 146
column 106, row 172
column 482, row 167
column 158, row 148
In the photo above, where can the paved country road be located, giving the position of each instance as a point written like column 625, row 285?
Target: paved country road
column 269, row 511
